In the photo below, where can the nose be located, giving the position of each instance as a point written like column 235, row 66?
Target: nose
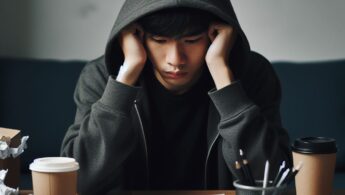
column 175, row 56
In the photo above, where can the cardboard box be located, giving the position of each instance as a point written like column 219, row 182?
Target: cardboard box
column 13, row 138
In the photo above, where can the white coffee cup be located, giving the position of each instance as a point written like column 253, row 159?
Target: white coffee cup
column 54, row 176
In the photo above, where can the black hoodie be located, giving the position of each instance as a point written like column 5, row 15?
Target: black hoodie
column 108, row 137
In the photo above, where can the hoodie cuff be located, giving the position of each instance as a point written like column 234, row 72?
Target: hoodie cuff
column 119, row 96
column 230, row 100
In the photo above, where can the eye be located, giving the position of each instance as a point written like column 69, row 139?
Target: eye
column 192, row 40
column 159, row 40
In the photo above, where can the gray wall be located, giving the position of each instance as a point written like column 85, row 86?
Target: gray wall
column 294, row 29
column 78, row 29
column 59, row 29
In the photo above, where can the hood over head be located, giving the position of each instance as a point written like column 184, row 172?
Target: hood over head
column 132, row 10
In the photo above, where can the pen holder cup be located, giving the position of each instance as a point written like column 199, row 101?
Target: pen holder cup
column 244, row 189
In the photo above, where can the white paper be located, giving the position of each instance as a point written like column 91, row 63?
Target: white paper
column 6, row 151
column 4, row 190
column 3, row 175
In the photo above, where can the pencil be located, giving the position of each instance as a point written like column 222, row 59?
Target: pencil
column 293, row 173
column 246, row 169
column 239, row 172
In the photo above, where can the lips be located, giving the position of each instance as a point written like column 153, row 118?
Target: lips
column 176, row 75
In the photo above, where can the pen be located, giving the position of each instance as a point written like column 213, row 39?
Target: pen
column 267, row 167
column 246, row 169
column 293, row 173
column 283, row 177
column 282, row 168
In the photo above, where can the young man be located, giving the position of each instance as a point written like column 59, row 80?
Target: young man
column 176, row 95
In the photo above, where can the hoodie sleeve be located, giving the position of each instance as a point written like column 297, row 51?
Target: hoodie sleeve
column 251, row 121
column 100, row 138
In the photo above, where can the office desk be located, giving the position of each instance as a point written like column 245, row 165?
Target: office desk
column 209, row 192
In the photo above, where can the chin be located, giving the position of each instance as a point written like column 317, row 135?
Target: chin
column 178, row 87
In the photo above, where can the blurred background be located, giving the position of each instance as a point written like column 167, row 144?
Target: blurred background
column 295, row 30
column 44, row 45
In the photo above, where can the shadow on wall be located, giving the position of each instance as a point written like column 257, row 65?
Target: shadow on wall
column 15, row 28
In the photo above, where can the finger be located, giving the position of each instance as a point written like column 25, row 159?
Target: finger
column 139, row 31
column 214, row 29
column 133, row 29
column 212, row 32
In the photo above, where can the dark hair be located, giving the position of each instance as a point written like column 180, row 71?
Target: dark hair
column 177, row 22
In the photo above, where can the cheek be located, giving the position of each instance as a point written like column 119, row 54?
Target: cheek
column 155, row 54
column 196, row 54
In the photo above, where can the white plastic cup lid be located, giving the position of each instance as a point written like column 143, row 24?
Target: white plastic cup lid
column 54, row 164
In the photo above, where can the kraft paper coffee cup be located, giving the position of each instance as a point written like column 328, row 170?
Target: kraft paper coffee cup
column 318, row 155
column 54, row 176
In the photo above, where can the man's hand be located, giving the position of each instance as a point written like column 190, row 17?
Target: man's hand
column 131, row 42
column 222, row 38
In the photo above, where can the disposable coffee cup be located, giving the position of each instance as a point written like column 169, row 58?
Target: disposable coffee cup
column 54, row 176
column 318, row 157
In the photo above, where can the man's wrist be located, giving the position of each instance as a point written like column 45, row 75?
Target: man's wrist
column 221, row 74
column 126, row 76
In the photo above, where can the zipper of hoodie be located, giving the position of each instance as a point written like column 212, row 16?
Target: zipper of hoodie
column 145, row 142
column 207, row 158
